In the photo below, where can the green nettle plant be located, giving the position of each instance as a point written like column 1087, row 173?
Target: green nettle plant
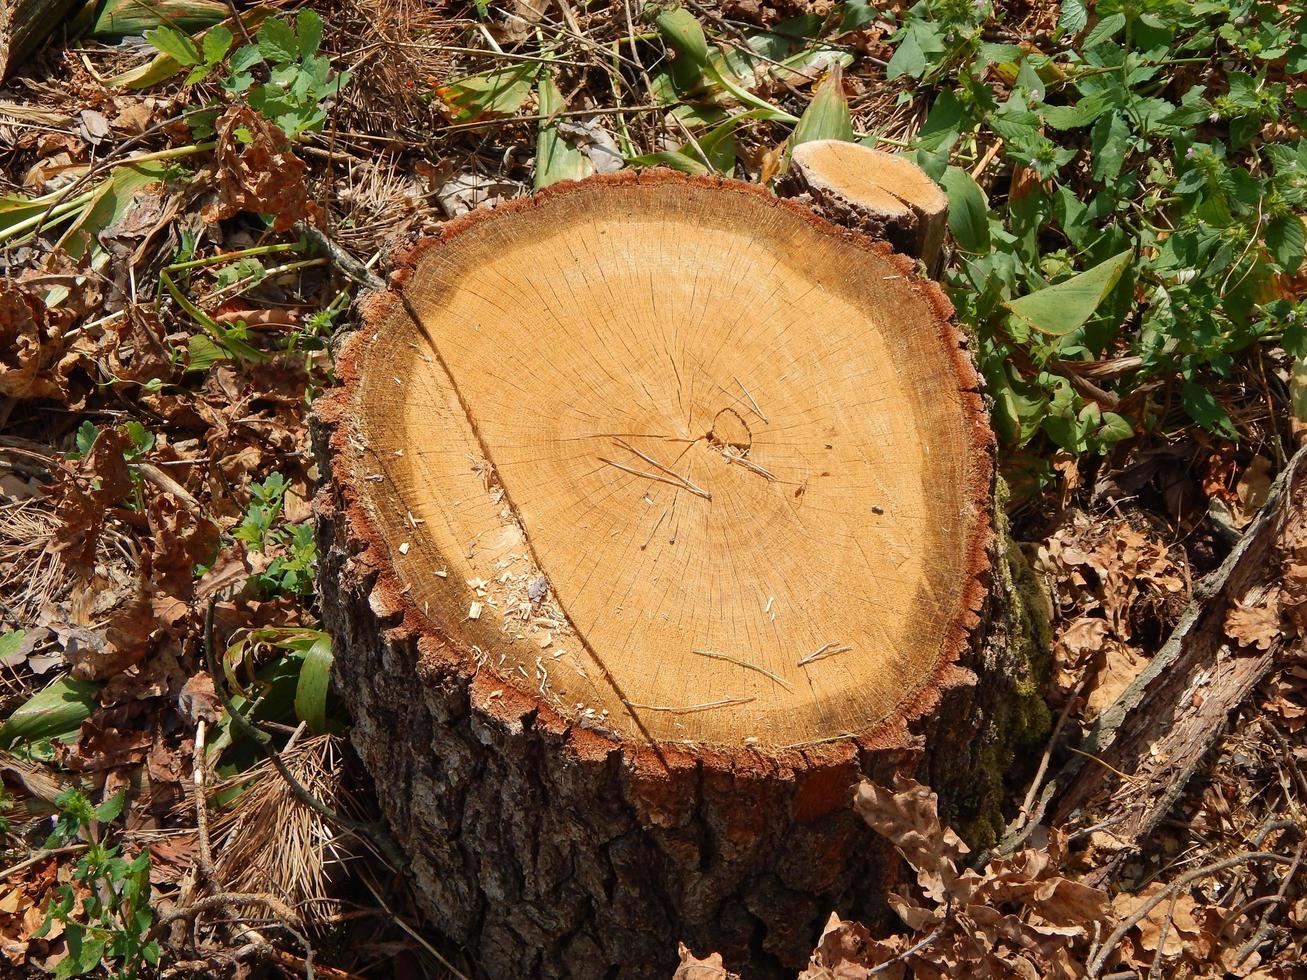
column 1151, row 214
column 299, row 79
column 105, row 907
column 262, row 528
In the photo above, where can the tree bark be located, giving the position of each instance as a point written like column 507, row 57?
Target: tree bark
column 551, row 844
column 24, row 27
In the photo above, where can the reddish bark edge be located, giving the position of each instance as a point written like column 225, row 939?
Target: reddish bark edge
column 333, row 414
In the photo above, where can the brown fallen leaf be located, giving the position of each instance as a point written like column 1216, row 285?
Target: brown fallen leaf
column 848, row 951
column 1254, row 625
column 33, row 349
column 708, row 968
column 909, row 817
column 258, row 171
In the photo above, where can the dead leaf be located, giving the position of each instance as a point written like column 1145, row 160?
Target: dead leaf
column 33, row 349
column 848, row 951
column 909, row 817
column 1254, row 625
column 708, row 968
column 258, row 171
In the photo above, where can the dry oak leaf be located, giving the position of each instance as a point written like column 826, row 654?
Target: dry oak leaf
column 84, row 495
column 909, row 817
column 848, row 951
column 34, row 362
column 708, row 968
column 180, row 540
column 258, row 171
column 1181, row 932
column 1256, row 625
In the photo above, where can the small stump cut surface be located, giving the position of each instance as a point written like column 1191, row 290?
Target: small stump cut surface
column 678, row 461
column 656, row 511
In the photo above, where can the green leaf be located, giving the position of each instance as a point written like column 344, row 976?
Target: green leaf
column 498, row 92
column 56, row 712
column 216, row 43
column 108, row 811
column 921, row 39
column 308, row 29
column 1287, row 241
column 1104, row 30
column 1115, row 428
column 246, row 58
column 1204, row 409
column 174, row 44
column 314, row 680
column 556, row 158
column 11, row 642
column 278, row 42
column 1110, row 139
column 1074, row 16
column 117, row 19
column 827, row 116
column 1058, row 309
column 968, row 211
column 681, row 30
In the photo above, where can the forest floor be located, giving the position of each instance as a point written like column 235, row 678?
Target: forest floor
column 190, row 203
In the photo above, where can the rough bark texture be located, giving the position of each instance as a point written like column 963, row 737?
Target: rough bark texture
column 24, row 26
column 548, row 849
column 1161, row 728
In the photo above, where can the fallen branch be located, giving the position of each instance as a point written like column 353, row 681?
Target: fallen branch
column 1158, row 731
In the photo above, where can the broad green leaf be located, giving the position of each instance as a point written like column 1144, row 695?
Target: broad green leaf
column 827, row 116
column 1058, row 309
column 676, row 159
column 108, row 811
column 57, row 711
column 1110, row 139
column 277, row 41
column 681, row 30
column 175, row 44
column 1287, row 241
column 968, row 211
column 164, row 66
column 117, row 19
column 498, row 92
column 308, row 29
column 216, row 43
column 1115, row 428
column 314, row 681
column 1074, row 16
column 1204, row 409
column 11, row 642
column 921, row 39
column 556, row 158
column 1104, row 30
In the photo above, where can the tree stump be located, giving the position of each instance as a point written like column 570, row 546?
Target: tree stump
column 883, row 194
column 656, row 511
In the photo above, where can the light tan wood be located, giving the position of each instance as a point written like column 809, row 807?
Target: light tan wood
column 883, row 192
column 678, row 461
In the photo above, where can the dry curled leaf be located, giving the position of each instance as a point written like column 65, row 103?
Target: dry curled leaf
column 848, row 951
column 258, row 171
column 34, row 362
column 1254, row 625
column 708, row 968
column 909, row 817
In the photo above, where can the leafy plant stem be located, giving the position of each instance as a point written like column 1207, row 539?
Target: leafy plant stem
column 243, row 253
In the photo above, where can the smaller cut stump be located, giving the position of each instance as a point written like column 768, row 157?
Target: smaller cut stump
column 656, row 512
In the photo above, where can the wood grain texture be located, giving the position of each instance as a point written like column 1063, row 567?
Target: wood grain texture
column 676, row 771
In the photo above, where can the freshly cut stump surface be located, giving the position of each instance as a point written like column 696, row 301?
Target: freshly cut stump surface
column 657, row 511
